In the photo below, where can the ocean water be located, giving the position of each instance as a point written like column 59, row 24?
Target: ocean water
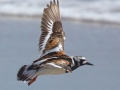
column 104, row 11
column 99, row 44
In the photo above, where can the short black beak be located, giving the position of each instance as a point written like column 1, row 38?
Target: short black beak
column 87, row 63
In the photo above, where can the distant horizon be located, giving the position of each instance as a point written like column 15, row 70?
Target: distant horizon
column 97, row 11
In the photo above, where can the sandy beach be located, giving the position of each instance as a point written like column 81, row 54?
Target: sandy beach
column 100, row 44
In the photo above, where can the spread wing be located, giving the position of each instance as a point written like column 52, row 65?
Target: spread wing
column 52, row 36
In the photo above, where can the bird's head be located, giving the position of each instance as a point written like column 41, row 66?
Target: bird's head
column 81, row 61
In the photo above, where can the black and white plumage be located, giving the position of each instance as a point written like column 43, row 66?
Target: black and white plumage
column 53, row 59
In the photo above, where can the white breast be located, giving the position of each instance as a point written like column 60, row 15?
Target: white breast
column 50, row 70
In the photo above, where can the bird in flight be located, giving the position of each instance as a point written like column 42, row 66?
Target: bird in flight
column 53, row 59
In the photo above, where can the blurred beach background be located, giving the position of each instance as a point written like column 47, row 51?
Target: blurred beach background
column 92, row 30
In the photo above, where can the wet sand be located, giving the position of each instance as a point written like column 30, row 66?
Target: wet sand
column 100, row 44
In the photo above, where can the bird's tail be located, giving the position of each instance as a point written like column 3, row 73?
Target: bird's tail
column 26, row 74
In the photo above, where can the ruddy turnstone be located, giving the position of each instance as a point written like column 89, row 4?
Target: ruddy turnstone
column 53, row 59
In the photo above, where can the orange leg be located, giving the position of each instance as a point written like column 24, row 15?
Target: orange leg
column 31, row 81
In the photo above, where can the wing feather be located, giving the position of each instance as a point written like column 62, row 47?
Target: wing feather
column 51, row 28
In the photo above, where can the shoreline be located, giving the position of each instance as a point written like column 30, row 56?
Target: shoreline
column 83, row 21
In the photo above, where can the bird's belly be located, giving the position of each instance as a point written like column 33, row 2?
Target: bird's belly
column 47, row 71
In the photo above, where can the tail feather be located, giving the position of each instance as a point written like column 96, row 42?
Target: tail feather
column 26, row 75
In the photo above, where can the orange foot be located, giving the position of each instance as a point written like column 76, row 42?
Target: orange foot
column 31, row 81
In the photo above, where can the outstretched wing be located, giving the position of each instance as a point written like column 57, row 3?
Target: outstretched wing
column 52, row 36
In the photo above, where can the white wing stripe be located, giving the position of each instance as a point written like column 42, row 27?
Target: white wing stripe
column 41, row 61
column 52, row 64
column 56, row 49
column 48, row 35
